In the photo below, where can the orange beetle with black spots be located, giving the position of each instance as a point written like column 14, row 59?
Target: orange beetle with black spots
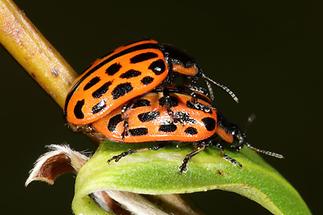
column 130, row 71
column 109, row 91
column 145, row 119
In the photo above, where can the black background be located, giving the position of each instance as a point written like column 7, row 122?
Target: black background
column 268, row 52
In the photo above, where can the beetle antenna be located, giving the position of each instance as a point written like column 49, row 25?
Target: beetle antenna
column 269, row 153
column 223, row 87
column 210, row 90
column 251, row 119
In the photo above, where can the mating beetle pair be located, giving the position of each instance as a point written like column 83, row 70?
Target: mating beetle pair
column 133, row 95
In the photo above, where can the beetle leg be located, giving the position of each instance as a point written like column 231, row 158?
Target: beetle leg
column 125, row 118
column 168, row 103
column 194, row 88
column 231, row 160
column 200, row 92
column 200, row 147
column 87, row 129
column 127, row 107
column 196, row 92
column 116, row 158
column 125, row 128
column 228, row 158
column 194, row 97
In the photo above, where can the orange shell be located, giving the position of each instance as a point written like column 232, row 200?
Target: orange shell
column 115, row 79
column 184, row 132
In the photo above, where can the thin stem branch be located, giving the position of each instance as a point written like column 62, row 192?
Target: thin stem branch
column 30, row 48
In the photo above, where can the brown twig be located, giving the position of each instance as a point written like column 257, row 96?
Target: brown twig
column 31, row 49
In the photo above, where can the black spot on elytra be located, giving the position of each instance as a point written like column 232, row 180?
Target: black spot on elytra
column 143, row 57
column 199, row 106
column 114, row 121
column 130, row 74
column 121, row 90
column 191, row 130
column 91, row 83
column 78, row 109
column 141, row 103
column 170, row 101
column 147, row 80
column 113, row 69
column 138, row 131
column 209, row 123
column 106, row 61
column 183, row 117
column 158, row 67
column 98, row 107
column 101, row 90
column 148, row 116
column 168, row 128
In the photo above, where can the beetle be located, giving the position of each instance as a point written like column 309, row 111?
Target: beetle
column 145, row 119
column 128, row 72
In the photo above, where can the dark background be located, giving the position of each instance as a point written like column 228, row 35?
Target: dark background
column 268, row 52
